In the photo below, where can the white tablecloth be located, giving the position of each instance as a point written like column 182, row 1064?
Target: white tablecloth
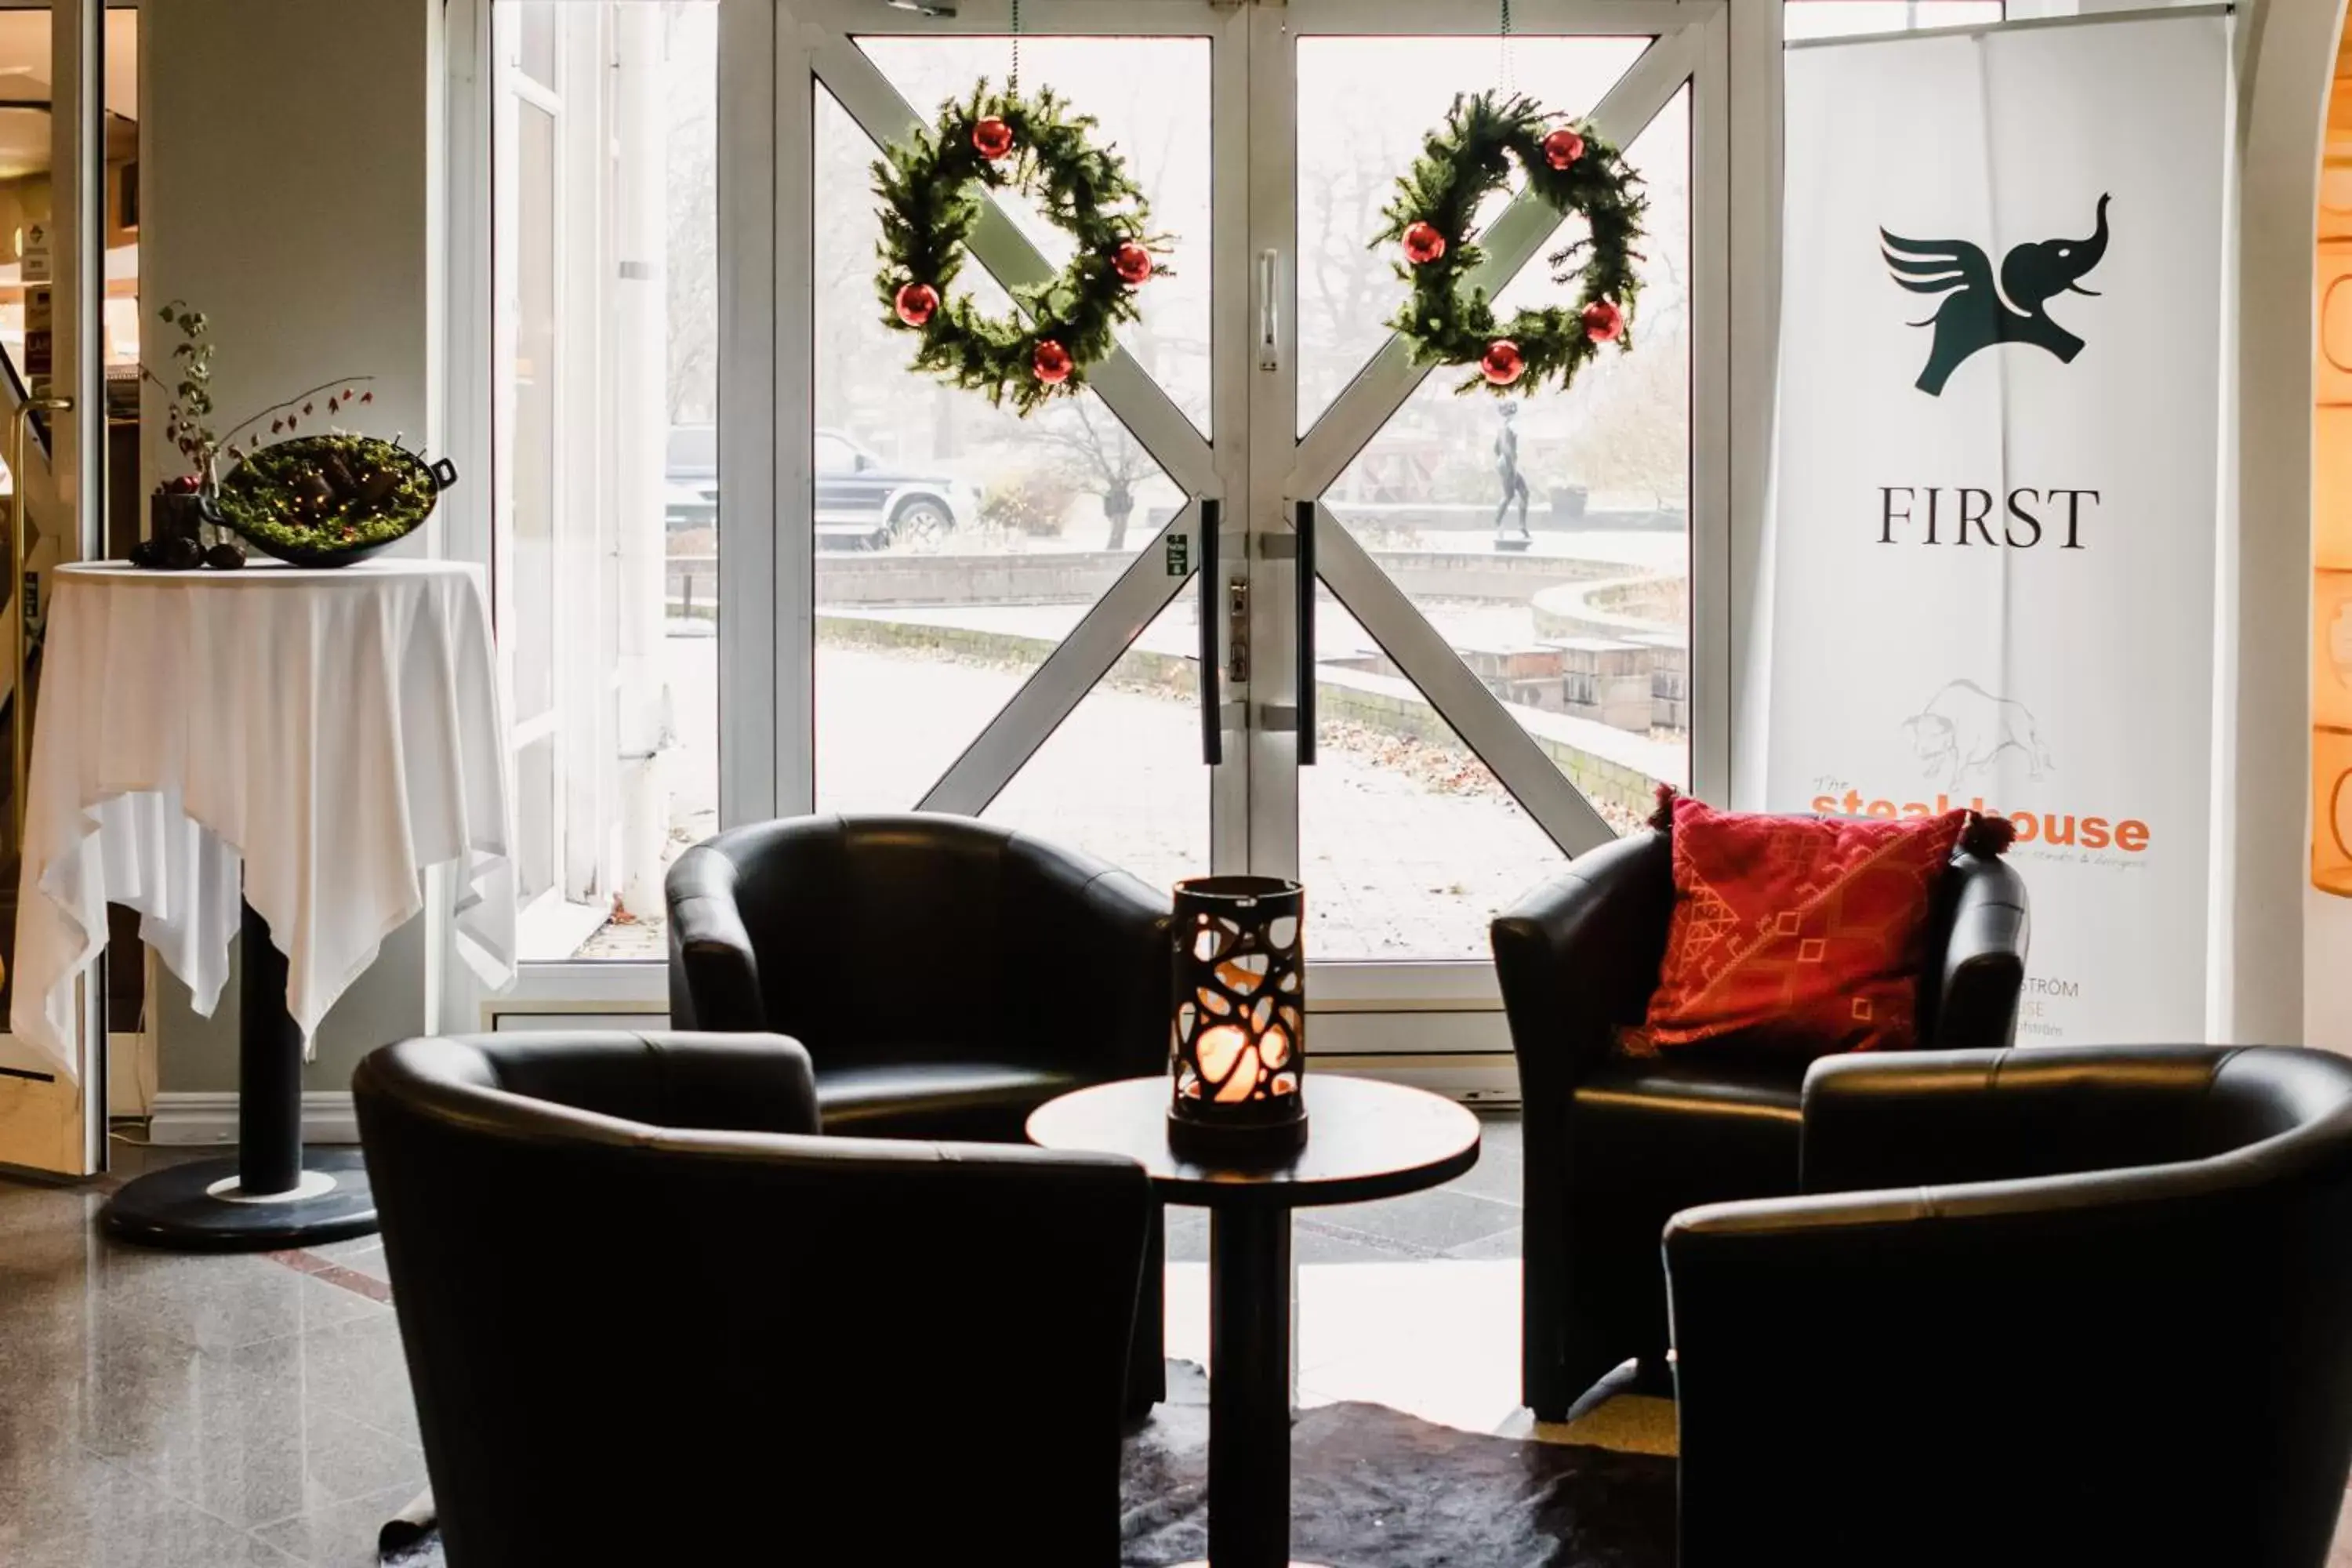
column 331, row 733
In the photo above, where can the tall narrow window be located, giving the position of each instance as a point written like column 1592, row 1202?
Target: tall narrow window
column 605, row 489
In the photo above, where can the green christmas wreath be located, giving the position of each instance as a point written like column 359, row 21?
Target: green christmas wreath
column 1569, row 166
column 931, row 189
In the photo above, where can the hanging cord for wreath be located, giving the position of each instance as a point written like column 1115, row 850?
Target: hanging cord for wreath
column 1510, row 76
column 1012, row 78
column 1570, row 168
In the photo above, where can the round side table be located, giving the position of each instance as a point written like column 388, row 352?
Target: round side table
column 1367, row 1140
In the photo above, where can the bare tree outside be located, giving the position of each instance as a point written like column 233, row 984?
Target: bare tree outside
column 1107, row 460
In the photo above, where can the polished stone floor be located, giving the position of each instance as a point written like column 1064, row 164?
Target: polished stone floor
column 167, row 1411
column 159, row 1408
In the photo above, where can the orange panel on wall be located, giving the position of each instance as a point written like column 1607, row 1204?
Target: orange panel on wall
column 2331, row 620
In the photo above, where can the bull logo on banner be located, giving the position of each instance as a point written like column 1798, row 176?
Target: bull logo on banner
column 1979, row 312
column 1962, row 731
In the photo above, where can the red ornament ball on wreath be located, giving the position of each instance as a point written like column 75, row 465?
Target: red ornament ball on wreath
column 992, row 137
column 1052, row 363
column 917, row 304
column 1132, row 263
column 1423, row 244
column 1502, row 363
column 1562, row 147
column 1603, row 321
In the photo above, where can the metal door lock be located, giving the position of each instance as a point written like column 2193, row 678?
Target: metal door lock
column 1237, row 659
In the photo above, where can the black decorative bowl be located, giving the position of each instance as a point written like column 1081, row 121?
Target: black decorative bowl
column 319, row 555
column 329, row 501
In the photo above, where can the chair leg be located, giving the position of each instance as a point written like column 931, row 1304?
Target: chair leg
column 1147, row 1362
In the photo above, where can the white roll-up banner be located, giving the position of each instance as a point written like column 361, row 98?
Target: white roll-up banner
column 1996, row 526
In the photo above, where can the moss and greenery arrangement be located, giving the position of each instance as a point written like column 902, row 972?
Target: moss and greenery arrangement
column 931, row 190
column 1570, row 168
column 325, row 494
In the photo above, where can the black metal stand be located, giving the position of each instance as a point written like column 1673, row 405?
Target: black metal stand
column 269, row 1196
column 1373, row 1140
column 1249, row 1388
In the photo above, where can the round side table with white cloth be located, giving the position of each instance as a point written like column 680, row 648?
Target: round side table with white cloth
column 280, row 751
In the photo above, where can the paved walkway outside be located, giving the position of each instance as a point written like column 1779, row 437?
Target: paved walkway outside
column 1408, row 850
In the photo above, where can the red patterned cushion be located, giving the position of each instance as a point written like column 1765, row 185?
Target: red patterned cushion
column 1799, row 931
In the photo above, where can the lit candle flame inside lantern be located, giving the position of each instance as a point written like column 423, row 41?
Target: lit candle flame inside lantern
column 1220, row 1052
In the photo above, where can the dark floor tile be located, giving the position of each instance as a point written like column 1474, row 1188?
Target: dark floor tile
column 1501, row 1244
column 1423, row 1224
column 1188, row 1236
column 1312, row 1241
column 361, row 1254
column 1501, row 1159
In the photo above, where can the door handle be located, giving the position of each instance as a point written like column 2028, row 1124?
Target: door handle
column 1304, row 564
column 1213, row 721
column 1269, row 309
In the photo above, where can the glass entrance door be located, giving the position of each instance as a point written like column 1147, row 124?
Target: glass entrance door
column 1503, row 646
column 1000, row 625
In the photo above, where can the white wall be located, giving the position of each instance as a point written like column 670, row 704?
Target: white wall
column 290, row 181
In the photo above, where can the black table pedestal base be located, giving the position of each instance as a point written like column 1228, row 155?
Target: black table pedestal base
column 269, row 1197
column 1249, row 1389
column 1371, row 1141
column 198, row 1207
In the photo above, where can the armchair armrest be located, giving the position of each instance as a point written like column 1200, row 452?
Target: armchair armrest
column 1983, row 966
column 1579, row 956
column 1910, row 1118
column 728, row 1084
column 714, row 974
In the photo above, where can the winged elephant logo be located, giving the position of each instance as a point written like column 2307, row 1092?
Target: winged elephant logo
column 1980, row 311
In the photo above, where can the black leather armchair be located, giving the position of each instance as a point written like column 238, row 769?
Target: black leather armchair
column 1616, row 1145
column 948, row 976
column 651, row 1316
column 2034, row 1308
